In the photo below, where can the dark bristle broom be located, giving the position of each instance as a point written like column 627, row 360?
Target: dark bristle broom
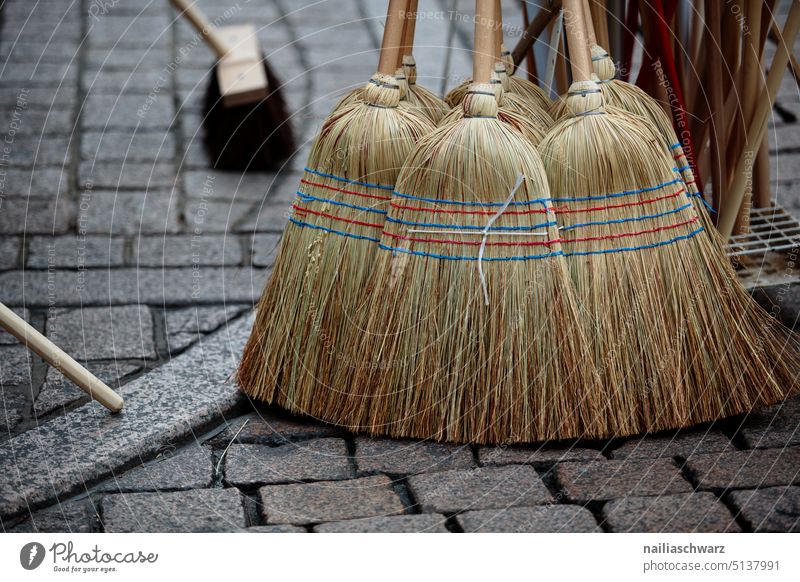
column 245, row 117
column 326, row 255
column 676, row 339
column 472, row 330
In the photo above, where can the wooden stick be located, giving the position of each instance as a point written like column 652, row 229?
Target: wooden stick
column 392, row 37
column 795, row 66
column 59, row 359
column 544, row 17
column 761, row 185
column 530, row 56
column 202, row 25
column 759, row 124
column 599, row 18
column 409, row 28
column 577, row 37
column 715, row 90
column 485, row 39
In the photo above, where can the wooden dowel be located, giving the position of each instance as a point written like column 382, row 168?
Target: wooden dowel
column 544, row 17
column 762, row 189
column 392, row 37
column 202, row 25
column 59, row 359
column 485, row 38
column 577, row 39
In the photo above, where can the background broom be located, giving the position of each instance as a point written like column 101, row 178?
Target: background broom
column 245, row 117
column 472, row 330
column 675, row 338
column 327, row 251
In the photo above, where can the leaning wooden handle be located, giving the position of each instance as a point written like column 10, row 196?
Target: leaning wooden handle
column 392, row 37
column 544, row 17
column 577, row 39
column 59, row 359
column 203, row 26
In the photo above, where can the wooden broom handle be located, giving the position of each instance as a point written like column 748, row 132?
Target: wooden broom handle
column 579, row 56
column 202, row 26
column 759, row 124
column 392, row 37
column 587, row 19
column 483, row 61
column 409, row 27
column 544, row 17
column 59, row 359
column 498, row 28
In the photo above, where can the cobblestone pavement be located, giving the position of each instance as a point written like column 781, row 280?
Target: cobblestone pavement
column 122, row 245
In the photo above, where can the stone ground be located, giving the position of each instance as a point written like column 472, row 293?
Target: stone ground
column 122, row 245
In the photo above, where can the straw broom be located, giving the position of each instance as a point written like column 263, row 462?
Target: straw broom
column 329, row 244
column 630, row 98
column 530, row 92
column 676, row 339
column 441, row 355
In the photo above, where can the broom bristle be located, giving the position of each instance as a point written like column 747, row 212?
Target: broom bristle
column 676, row 339
column 434, row 361
column 432, row 105
column 247, row 137
column 530, row 92
column 317, row 284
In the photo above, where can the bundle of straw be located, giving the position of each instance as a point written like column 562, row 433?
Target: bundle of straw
column 329, row 244
column 472, row 330
column 675, row 338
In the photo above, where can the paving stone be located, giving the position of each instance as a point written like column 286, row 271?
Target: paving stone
column 426, row 523
column 74, row 251
column 781, row 301
column 126, row 175
column 125, row 112
column 613, row 479
column 61, row 456
column 265, row 249
column 409, row 457
column 58, row 101
column 544, row 519
column 773, row 509
column 13, row 407
column 772, row 426
column 130, row 213
column 126, row 286
column 58, row 52
column 540, row 456
column 187, row 325
column 69, row 517
column 41, row 74
column 209, row 184
column 41, row 124
column 770, row 439
column 329, row 501
column 276, row 529
column 315, row 460
column 38, row 150
column 210, row 217
column 124, row 82
column 97, row 333
column 143, row 32
column 142, row 146
column 785, row 167
column 272, row 428
column 153, row 59
column 36, row 216
column 685, row 513
column 188, row 469
column 187, row 250
column 15, row 365
column 480, row 488
column 58, row 392
column 674, row 443
column 9, row 252
column 5, row 337
column 42, row 183
column 746, row 469
column 199, row 510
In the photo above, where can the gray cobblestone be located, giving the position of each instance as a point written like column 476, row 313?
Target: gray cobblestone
column 123, row 174
column 329, row 501
column 409, row 457
column 7, row 338
column 187, row 325
column 125, row 286
column 686, row 513
column 200, row 510
column 265, row 249
column 32, row 216
column 57, row 101
column 15, row 365
column 9, row 253
column 72, row 516
column 126, row 32
column 316, row 460
column 96, row 333
column 43, row 183
column 41, row 74
column 482, row 488
column 267, row 428
column 118, row 213
column 680, row 443
column 427, row 523
column 123, row 112
column 210, row 217
column 774, row 509
column 13, row 406
column 544, row 519
column 189, row 469
column 279, row 529
column 541, row 456
column 153, row 59
column 251, row 186
column 42, row 123
column 143, row 146
column 613, row 479
column 746, row 469
column 38, row 151
column 73, row 251
column 185, row 251
column 774, row 426
column 58, row 392
column 130, row 82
